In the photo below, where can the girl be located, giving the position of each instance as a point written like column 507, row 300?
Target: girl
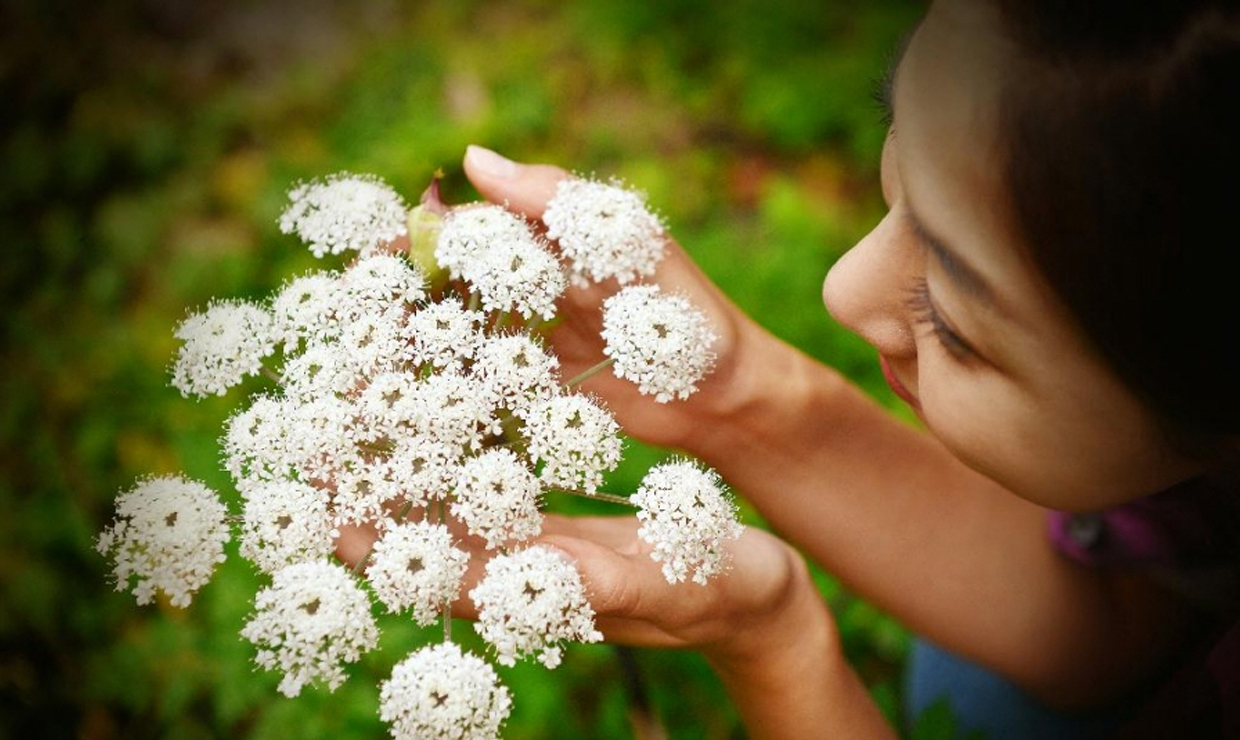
column 1046, row 293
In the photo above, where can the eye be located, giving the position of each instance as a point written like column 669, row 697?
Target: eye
column 924, row 313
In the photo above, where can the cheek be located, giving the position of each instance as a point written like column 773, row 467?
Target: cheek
column 985, row 427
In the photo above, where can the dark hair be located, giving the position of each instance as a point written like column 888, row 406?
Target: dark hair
column 1123, row 151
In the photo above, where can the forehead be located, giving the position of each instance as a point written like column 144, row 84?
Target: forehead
column 947, row 100
column 947, row 97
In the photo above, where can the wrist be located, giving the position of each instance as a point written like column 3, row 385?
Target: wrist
column 795, row 625
column 758, row 396
column 789, row 677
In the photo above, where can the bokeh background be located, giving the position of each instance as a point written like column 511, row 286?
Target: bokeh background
column 146, row 149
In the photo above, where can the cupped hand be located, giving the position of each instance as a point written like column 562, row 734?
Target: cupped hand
column 742, row 611
column 526, row 189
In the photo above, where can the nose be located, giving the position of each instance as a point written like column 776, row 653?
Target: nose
column 867, row 289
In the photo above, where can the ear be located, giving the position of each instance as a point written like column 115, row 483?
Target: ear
column 523, row 188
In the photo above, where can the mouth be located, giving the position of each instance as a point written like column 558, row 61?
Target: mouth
column 897, row 386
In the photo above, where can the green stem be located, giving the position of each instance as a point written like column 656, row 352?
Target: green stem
column 591, row 372
column 597, row 495
column 271, row 375
column 361, row 564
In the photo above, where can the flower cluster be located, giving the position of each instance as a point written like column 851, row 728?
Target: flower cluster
column 421, row 403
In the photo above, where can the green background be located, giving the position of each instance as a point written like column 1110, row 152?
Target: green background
column 147, row 148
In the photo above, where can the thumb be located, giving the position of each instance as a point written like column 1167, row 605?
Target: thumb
column 524, row 188
column 615, row 580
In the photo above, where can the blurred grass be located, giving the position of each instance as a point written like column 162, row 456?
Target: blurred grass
column 146, row 148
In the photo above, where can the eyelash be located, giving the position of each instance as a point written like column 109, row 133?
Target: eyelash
column 880, row 93
column 925, row 314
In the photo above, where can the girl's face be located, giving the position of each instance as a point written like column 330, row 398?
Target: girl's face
column 967, row 331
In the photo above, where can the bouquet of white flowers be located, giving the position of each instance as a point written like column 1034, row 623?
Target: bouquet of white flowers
column 416, row 397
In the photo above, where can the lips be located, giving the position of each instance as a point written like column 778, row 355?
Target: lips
column 896, row 385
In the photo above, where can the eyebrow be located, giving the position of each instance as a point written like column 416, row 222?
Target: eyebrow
column 958, row 271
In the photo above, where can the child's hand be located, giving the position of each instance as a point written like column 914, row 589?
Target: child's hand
column 526, row 189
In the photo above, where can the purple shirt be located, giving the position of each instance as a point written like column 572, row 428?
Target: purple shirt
column 1189, row 537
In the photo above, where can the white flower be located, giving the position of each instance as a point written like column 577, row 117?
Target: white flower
column 442, row 693
column 321, row 437
column 322, row 368
column 344, row 212
column 415, row 566
column 443, row 335
column 658, row 341
column 362, row 490
column 277, row 438
column 468, row 232
column 522, row 278
column 497, row 253
column 372, row 342
column 687, row 516
column 529, row 602
column 452, row 409
column 575, row 438
column 285, row 522
column 169, row 534
column 382, row 283
column 221, row 346
column 516, row 370
column 255, row 443
column 311, row 619
column 388, row 404
column 426, row 468
column 604, row 231
column 305, row 308
column 497, row 497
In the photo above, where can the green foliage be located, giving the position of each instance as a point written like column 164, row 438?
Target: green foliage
column 143, row 168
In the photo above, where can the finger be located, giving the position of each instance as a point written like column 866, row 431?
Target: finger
column 627, row 591
column 524, row 188
column 618, row 532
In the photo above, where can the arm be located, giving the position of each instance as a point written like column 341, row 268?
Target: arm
column 883, row 506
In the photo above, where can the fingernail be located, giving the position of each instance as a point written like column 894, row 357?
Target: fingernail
column 490, row 163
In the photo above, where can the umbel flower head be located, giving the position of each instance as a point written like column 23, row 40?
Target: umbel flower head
column 497, row 497
column 169, row 535
column 415, row 566
column 687, row 516
column 658, row 340
column 575, row 438
column 311, row 619
column 221, row 346
column 344, row 212
column 529, row 602
column 604, row 230
column 504, row 261
column 285, row 522
column 441, row 692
